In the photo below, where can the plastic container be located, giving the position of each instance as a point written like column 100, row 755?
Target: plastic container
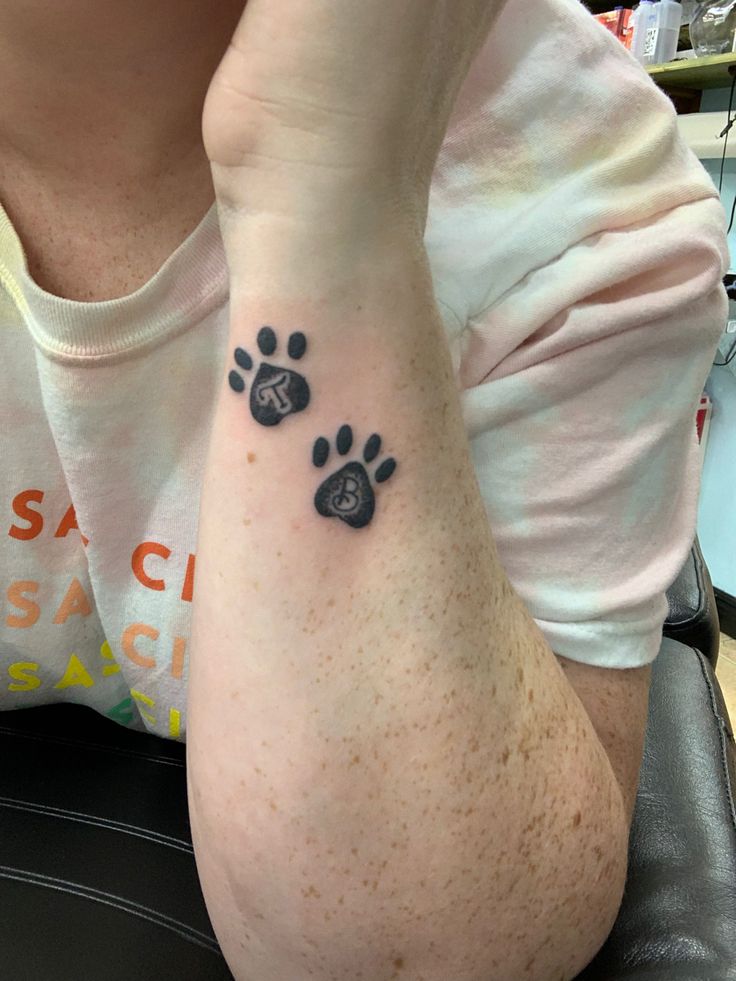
column 688, row 11
column 644, row 14
column 630, row 29
column 669, row 21
column 713, row 27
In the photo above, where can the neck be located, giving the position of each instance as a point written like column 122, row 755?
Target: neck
column 102, row 168
column 94, row 88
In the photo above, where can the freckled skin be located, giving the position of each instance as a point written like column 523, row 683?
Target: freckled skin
column 408, row 810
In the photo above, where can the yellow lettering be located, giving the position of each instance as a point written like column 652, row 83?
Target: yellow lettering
column 75, row 674
column 174, row 723
column 107, row 654
column 140, row 697
column 18, row 671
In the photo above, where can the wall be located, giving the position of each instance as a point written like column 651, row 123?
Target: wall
column 717, row 510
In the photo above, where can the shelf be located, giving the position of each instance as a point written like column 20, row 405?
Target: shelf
column 695, row 73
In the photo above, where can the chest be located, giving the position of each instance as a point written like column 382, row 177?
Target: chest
column 100, row 245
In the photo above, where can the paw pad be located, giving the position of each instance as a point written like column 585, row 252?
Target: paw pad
column 276, row 392
column 348, row 493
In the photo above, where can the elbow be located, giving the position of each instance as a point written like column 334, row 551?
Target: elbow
column 338, row 892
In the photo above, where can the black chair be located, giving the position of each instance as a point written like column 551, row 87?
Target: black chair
column 97, row 872
column 678, row 917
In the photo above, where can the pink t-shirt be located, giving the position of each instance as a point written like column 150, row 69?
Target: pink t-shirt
column 577, row 248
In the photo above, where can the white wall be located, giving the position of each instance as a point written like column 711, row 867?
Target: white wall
column 717, row 510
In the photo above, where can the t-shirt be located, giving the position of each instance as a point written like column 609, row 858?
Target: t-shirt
column 577, row 250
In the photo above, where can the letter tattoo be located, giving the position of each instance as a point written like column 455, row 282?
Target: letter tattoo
column 348, row 493
column 276, row 392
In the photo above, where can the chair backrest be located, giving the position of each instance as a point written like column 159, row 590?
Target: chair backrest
column 693, row 616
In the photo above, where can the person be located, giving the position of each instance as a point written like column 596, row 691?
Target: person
column 393, row 320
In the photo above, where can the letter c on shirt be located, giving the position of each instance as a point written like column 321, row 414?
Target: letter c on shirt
column 127, row 642
column 136, row 561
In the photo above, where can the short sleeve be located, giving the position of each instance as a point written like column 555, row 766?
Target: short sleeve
column 584, row 437
column 592, row 304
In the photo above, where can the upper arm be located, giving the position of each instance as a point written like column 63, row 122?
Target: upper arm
column 617, row 702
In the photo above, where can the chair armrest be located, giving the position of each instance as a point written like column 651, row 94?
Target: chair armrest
column 678, row 917
column 95, row 847
column 97, row 873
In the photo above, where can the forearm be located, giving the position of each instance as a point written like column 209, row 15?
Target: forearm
column 380, row 741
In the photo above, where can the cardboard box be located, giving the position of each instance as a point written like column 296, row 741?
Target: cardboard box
column 626, row 30
column 703, row 417
column 619, row 23
column 611, row 21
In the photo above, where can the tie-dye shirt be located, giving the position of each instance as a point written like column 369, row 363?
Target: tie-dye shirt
column 577, row 248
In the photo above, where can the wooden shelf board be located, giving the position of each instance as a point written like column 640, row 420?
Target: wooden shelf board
column 695, row 73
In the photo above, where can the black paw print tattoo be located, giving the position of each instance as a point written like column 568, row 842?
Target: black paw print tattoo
column 276, row 392
column 348, row 494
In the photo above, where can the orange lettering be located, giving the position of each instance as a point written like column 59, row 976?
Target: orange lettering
column 144, row 549
column 34, row 519
column 16, row 597
column 127, row 642
column 186, row 593
column 74, row 603
column 177, row 657
column 69, row 523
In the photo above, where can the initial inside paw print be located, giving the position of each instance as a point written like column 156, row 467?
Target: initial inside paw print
column 348, row 493
column 276, row 391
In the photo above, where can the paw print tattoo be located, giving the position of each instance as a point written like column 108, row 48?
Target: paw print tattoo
column 348, row 494
column 276, row 392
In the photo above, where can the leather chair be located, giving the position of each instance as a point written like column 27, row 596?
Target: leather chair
column 97, row 872
column 678, row 917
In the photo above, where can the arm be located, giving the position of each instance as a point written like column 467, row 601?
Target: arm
column 381, row 744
